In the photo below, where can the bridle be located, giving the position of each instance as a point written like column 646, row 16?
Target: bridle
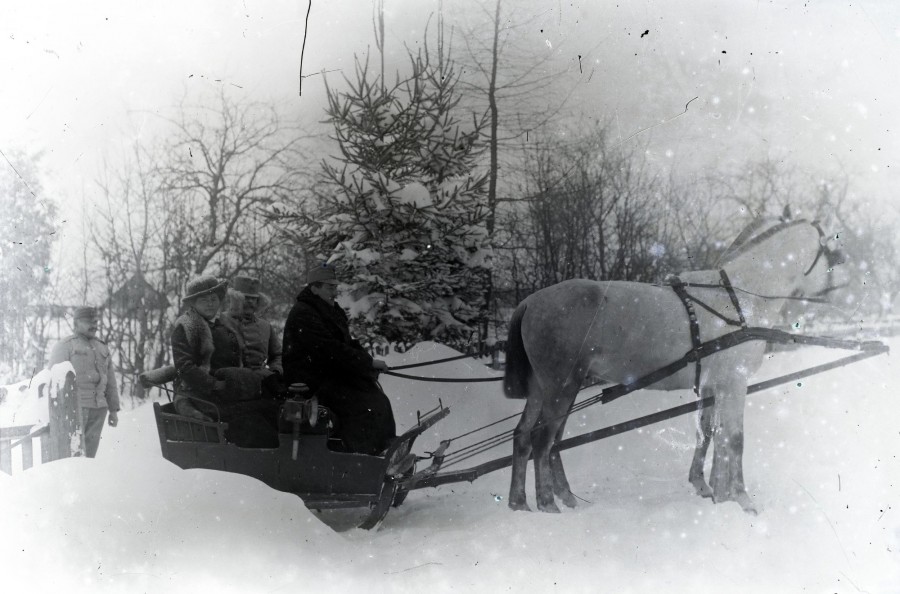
column 747, row 240
column 741, row 244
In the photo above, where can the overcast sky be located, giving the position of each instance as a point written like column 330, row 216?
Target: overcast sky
column 812, row 82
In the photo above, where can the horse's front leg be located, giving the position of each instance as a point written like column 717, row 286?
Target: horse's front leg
column 522, row 441
column 727, row 475
column 704, row 436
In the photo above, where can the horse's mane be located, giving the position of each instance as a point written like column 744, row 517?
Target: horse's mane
column 742, row 238
column 753, row 234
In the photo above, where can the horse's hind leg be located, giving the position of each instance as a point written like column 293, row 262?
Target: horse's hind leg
column 560, row 483
column 704, row 436
column 543, row 437
column 553, row 417
column 522, row 445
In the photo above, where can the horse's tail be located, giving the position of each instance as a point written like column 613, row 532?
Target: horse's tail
column 518, row 367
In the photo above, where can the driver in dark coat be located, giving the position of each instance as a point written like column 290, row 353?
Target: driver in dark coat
column 319, row 351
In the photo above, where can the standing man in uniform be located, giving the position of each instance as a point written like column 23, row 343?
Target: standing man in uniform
column 95, row 382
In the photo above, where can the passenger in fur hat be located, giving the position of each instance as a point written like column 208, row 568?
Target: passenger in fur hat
column 198, row 335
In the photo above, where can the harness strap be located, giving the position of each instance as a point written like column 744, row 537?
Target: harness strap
column 678, row 287
column 726, row 282
column 708, row 308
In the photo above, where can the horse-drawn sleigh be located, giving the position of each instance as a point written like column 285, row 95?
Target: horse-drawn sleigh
column 307, row 461
column 706, row 331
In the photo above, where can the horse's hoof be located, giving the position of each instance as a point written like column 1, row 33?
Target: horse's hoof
column 519, row 506
column 744, row 501
column 741, row 499
column 701, row 488
column 549, row 508
column 568, row 499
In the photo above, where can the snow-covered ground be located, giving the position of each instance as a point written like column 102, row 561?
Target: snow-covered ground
column 820, row 460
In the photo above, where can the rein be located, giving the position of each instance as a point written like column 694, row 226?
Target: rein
column 447, row 380
column 731, row 288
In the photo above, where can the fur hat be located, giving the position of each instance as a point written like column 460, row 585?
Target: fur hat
column 204, row 285
column 247, row 285
column 86, row 312
column 321, row 274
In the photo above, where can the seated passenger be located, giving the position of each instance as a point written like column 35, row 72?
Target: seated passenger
column 319, row 351
column 210, row 381
column 262, row 345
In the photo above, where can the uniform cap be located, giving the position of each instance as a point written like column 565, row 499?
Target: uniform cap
column 86, row 312
column 247, row 285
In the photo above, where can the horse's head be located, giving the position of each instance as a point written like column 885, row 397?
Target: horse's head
column 776, row 256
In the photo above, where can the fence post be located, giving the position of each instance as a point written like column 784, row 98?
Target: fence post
column 5, row 456
column 64, row 421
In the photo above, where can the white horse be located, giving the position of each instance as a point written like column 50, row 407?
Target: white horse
column 620, row 331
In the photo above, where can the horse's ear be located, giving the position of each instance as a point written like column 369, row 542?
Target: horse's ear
column 786, row 214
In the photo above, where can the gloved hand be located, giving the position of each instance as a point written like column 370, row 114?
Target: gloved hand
column 240, row 384
column 272, row 387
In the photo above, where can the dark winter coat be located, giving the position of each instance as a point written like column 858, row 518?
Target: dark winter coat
column 199, row 348
column 206, row 352
column 319, row 351
column 317, row 345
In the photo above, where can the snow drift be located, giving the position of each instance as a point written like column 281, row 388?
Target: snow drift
column 821, row 461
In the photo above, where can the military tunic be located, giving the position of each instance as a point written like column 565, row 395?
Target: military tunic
column 262, row 345
column 95, row 382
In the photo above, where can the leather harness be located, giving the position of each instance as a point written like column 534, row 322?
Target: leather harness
column 680, row 288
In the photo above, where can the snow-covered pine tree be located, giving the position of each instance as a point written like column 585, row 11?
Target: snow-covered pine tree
column 27, row 230
column 403, row 209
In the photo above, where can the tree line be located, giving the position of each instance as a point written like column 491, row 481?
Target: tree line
column 449, row 190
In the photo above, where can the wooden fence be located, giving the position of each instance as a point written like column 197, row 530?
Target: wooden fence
column 59, row 436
